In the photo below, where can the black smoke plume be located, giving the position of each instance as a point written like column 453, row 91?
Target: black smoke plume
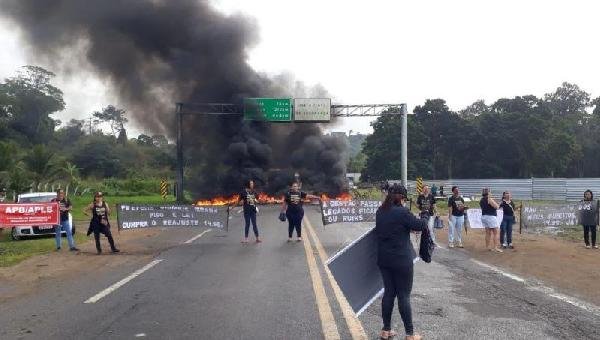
column 154, row 53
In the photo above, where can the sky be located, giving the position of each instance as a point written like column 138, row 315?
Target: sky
column 398, row 51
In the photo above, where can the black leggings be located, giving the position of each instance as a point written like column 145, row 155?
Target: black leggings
column 295, row 222
column 250, row 217
column 587, row 230
column 397, row 282
column 108, row 234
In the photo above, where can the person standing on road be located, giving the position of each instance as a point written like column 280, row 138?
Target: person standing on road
column 395, row 255
column 426, row 205
column 508, row 220
column 292, row 207
column 99, row 223
column 489, row 220
column 64, row 205
column 248, row 198
column 456, row 218
column 588, row 219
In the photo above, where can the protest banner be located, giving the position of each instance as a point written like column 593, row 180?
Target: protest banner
column 27, row 214
column 338, row 211
column 555, row 217
column 133, row 216
column 474, row 217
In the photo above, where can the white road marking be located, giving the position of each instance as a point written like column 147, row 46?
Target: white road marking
column 140, row 335
column 546, row 290
column 117, row 285
column 196, row 237
column 497, row 270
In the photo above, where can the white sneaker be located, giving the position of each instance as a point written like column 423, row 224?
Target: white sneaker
column 460, row 245
column 450, row 245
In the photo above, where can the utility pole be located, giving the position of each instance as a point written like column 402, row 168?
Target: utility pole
column 404, row 146
column 179, row 120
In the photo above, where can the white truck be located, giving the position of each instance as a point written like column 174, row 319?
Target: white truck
column 20, row 232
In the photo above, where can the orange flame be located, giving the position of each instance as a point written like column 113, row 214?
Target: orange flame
column 264, row 198
column 341, row 197
column 220, row 200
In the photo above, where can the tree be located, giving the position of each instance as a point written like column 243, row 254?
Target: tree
column 27, row 102
column 145, row 140
column 40, row 161
column 357, row 163
column 114, row 117
column 568, row 99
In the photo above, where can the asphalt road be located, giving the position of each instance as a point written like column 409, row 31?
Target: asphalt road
column 215, row 288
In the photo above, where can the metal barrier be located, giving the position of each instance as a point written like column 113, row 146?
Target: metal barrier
column 545, row 189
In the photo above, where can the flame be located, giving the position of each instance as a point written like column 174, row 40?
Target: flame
column 220, row 200
column 264, row 198
column 341, row 197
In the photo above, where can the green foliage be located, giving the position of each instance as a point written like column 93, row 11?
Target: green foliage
column 519, row 137
column 27, row 102
column 114, row 117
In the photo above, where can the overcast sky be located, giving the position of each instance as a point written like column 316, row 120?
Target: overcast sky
column 400, row 51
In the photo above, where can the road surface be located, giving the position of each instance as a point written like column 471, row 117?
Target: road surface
column 213, row 287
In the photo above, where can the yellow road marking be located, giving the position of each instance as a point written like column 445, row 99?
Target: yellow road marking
column 330, row 330
column 354, row 325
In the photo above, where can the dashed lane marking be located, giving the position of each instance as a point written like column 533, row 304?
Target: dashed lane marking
column 196, row 237
column 119, row 284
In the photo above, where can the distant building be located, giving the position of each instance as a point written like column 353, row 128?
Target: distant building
column 353, row 176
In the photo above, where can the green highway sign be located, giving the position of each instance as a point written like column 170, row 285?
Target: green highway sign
column 269, row 109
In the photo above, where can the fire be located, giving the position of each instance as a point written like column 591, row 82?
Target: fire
column 264, row 198
column 341, row 197
column 220, row 200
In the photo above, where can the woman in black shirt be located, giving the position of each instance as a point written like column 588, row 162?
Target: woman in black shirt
column 588, row 218
column 99, row 223
column 508, row 220
column 248, row 198
column 292, row 207
column 395, row 255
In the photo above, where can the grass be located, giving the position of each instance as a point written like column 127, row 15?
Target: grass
column 13, row 252
column 80, row 202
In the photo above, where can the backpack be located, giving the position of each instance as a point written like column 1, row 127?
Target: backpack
column 426, row 246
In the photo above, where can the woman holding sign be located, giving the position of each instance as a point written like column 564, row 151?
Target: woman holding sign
column 292, row 207
column 99, row 222
column 248, row 198
column 489, row 220
column 395, row 255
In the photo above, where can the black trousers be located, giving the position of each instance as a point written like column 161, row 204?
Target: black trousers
column 397, row 283
column 587, row 230
column 106, row 231
column 294, row 222
column 249, row 217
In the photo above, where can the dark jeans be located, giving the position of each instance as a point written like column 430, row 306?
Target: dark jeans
column 397, row 283
column 294, row 222
column 250, row 216
column 587, row 230
column 506, row 228
column 108, row 234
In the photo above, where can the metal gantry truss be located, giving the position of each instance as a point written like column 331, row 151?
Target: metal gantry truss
column 363, row 110
column 227, row 109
